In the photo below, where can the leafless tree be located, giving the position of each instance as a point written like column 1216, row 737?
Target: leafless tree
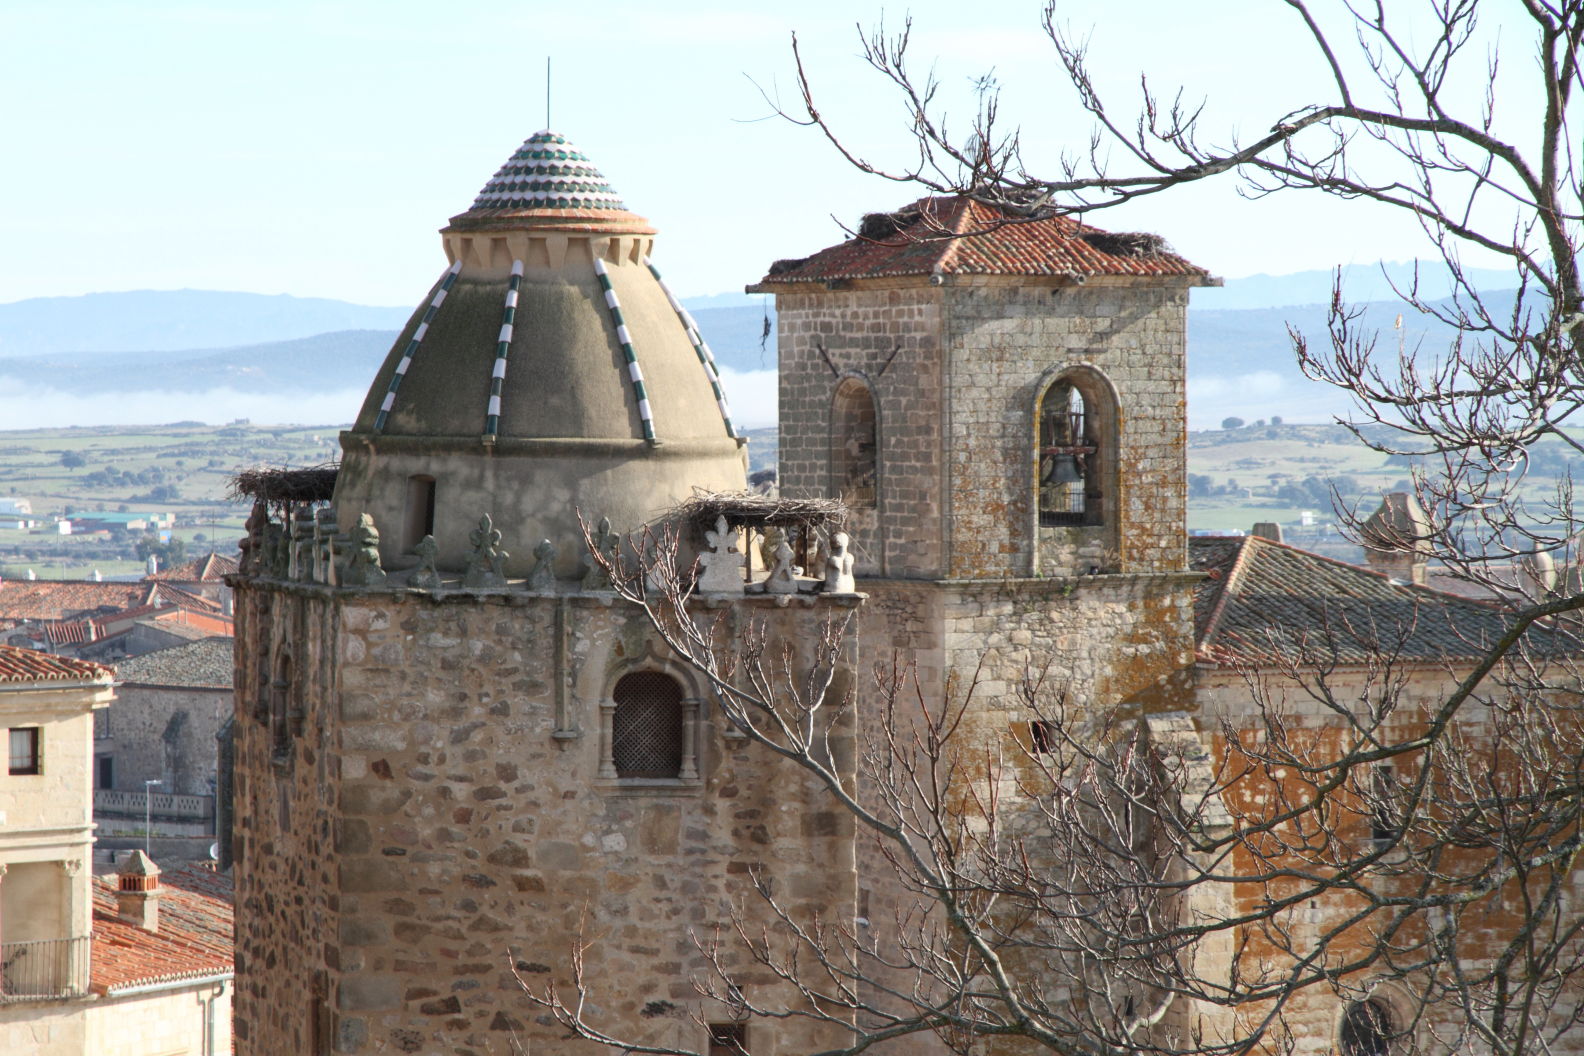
column 1094, row 888
column 1414, row 124
column 1413, row 855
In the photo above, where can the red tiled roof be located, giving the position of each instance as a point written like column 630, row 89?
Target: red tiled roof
column 1262, row 600
column 60, row 599
column 995, row 244
column 211, row 568
column 194, row 938
column 73, row 633
column 30, row 665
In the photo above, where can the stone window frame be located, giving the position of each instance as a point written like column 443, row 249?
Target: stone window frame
column 1104, row 403
column 839, row 461
column 690, row 777
column 1100, row 409
column 1393, row 1003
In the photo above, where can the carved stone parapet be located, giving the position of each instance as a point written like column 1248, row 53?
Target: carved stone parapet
column 542, row 576
column 607, row 544
column 426, row 576
column 487, row 565
column 363, row 568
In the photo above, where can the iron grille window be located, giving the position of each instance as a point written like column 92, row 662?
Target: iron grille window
column 26, row 758
column 646, row 728
column 728, row 1039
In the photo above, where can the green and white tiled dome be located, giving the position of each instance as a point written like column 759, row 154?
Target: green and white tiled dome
column 548, row 172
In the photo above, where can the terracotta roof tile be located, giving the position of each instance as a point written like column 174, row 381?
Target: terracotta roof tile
column 1263, row 599
column 195, row 936
column 995, row 244
column 30, row 665
column 210, row 568
column 59, row 599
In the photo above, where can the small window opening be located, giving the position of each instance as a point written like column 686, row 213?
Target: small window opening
column 26, row 756
column 1042, row 736
column 1069, row 477
column 1366, row 1029
column 420, row 510
column 854, row 445
column 1383, row 809
column 728, row 1039
column 646, row 727
column 280, row 693
column 106, row 771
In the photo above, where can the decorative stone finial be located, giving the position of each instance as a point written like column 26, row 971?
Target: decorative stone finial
column 722, row 564
column 782, row 579
column 839, row 567
column 302, row 543
column 608, row 544
column 252, row 562
column 324, row 557
column 542, row 575
column 426, row 577
column 487, row 566
column 363, row 567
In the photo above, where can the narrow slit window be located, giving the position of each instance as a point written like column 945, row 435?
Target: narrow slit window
column 420, row 510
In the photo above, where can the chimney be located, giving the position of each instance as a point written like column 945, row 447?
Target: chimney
column 1396, row 538
column 137, row 892
column 1267, row 530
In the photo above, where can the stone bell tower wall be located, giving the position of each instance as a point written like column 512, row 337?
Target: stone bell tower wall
column 957, row 371
column 1007, row 339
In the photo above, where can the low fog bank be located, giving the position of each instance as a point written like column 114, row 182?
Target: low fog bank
column 751, row 394
column 29, row 407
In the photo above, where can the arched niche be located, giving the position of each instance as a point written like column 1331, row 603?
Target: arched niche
column 1075, row 460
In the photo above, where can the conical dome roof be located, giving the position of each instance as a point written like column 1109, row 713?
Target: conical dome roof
column 548, row 172
column 548, row 373
column 548, row 181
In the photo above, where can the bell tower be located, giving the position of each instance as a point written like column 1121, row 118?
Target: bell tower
column 1005, row 395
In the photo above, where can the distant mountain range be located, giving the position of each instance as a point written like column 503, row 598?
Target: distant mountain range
column 1240, row 358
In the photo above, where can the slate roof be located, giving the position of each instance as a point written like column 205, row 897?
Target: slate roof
column 204, row 664
column 30, row 665
column 998, row 244
column 1264, row 600
column 194, row 939
column 210, row 568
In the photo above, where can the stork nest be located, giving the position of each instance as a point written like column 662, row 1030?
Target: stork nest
column 280, row 488
column 762, row 511
column 1127, row 243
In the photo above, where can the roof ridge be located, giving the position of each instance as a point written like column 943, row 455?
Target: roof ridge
column 1366, row 570
column 958, row 222
column 1233, row 574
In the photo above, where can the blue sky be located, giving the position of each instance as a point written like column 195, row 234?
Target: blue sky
column 315, row 148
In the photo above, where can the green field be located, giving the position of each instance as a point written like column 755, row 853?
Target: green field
column 1237, row 477
column 184, row 469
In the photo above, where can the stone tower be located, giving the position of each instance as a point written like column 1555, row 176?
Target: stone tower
column 458, row 754
column 1006, row 410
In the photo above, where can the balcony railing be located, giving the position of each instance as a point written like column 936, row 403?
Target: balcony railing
column 159, row 804
column 43, row 969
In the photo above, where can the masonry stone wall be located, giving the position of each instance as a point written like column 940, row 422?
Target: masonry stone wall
column 889, row 338
column 1007, row 341
column 438, row 828
column 47, row 1028
column 165, row 733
